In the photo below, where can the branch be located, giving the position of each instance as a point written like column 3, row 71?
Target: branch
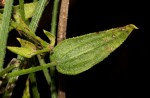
column 62, row 25
column 61, row 35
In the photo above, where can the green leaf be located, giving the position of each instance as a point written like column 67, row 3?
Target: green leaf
column 26, row 44
column 29, row 9
column 37, row 14
column 25, row 52
column 78, row 54
column 26, row 92
column 50, row 36
column 22, row 28
column 4, row 30
column 27, row 49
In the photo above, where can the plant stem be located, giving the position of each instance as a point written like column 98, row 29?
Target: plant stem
column 4, row 30
column 61, row 35
column 53, row 85
column 31, row 70
column 32, row 79
column 37, row 15
column 33, row 27
column 26, row 92
column 53, row 31
column 14, row 63
column 35, row 0
column 22, row 12
column 62, row 25
column 10, row 85
column 45, row 71
column 54, row 17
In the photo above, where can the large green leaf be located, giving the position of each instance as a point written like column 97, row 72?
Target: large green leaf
column 78, row 54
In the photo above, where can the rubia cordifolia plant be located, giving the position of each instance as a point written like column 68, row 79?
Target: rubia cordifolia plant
column 69, row 56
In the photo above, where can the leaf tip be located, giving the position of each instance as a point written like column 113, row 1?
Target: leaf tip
column 18, row 39
column 133, row 26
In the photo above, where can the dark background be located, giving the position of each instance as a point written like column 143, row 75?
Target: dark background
column 124, row 73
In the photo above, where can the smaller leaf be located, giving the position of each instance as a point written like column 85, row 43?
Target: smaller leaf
column 26, row 44
column 27, row 49
column 29, row 9
column 24, row 29
column 51, row 37
column 25, row 52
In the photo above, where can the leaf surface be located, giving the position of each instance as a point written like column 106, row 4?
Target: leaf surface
column 78, row 54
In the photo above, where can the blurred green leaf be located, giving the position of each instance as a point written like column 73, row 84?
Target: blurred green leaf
column 26, row 92
column 78, row 54
column 29, row 9
column 27, row 49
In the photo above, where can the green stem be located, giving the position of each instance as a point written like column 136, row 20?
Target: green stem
column 11, row 82
column 10, row 85
column 54, row 17
column 45, row 71
column 31, row 70
column 13, row 64
column 22, row 12
column 33, row 27
column 35, row 0
column 53, row 85
column 32, row 78
column 53, row 31
column 26, row 92
column 4, row 30
column 37, row 15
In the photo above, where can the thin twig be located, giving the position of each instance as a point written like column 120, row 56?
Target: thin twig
column 31, row 70
column 61, row 35
column 62, row 25
column 53, row 31
column 54, row 17
column 22, row 12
